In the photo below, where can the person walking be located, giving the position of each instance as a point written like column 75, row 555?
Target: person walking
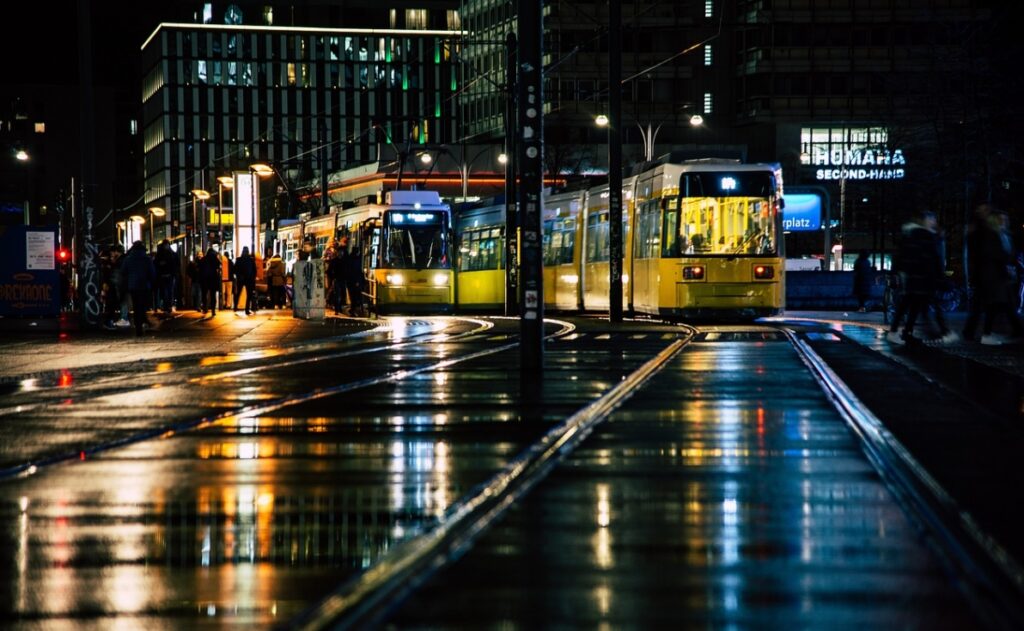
column 168, row 271
column 245, row 279
column 275, row 274
column 863, row 279
column 919, row 263
column 227, row 279
column 139, row 278
column 195, row 285
column 210, row 278
column 990, row 257
column 352, row 272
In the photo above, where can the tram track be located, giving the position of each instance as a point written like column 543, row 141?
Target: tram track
column 977, row 567
column 234, row 414
column 206, row 368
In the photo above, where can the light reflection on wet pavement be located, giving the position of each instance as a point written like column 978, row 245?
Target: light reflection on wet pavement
column 251, row 519
column 727, row 494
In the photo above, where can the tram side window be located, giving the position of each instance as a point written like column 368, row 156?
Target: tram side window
column 559, row 238
column 645, row 237
column 597, row 238
column 674, row 242
column 480, row 250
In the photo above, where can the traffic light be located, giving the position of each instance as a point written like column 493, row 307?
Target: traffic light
column 63, row 255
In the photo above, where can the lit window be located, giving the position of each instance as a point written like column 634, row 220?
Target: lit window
column 709, row 8
column 207, row 13
column 40, row 128
column 707, row 102
column 134, row 127
column 707, row 55
column 268, row 16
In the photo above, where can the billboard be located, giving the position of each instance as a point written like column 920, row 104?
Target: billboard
column 29, row 278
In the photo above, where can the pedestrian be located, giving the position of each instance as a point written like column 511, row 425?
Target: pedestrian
column 335, row 273
column 195, row 284
column 139, row 279
column 990, row 258
column 227, row 278
column 210, row 278
column 168, row 271
column 919, row 263
column 275, row 274
column 863, row 279
column 352, row 272
column 245, row 279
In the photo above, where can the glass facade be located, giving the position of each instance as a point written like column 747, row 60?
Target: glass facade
column 217, row 98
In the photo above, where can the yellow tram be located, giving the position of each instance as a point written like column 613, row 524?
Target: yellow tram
column 700, row 239
column 404, row 243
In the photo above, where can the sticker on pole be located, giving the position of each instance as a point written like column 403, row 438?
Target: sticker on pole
column 530, row 299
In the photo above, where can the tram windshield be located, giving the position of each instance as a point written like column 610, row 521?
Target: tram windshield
column 416, row 240
column 725, row 213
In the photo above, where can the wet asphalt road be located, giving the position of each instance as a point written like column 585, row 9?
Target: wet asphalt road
column 236, row 490
column 147, row 500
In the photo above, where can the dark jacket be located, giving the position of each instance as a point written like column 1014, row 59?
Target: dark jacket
column 863, row 276
column 210, row 270
column 989, row 264
column 918, row 260
column 166, row 262
column 245, row 269
column 138, row 269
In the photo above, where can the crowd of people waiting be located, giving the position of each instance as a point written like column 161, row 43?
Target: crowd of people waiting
column 136, row 282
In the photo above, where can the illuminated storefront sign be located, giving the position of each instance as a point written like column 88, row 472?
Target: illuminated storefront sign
column 851, row 154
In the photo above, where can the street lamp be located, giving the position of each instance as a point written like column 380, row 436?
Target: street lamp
column 198, row 194
column 21, row 155
column 223, row 182
column 135, row 224
column 154, row 211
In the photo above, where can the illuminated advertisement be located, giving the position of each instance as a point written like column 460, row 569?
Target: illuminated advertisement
column 801, row 212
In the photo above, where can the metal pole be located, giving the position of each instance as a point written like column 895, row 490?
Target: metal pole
column 615, row 160
column 325, row 202
column 511, row 222
column 531, row 161
column 220, row 214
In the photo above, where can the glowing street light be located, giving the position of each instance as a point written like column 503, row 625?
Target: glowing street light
column 198, row 194
column 154, row 211
column 21, row 155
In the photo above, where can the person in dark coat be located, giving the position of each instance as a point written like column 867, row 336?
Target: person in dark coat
column 139, row 278
column 863, row 279
column 352, row 271
column 168, row 273
column 245, row 278
column 210, row 278
column 990, row 268
column 919, row 263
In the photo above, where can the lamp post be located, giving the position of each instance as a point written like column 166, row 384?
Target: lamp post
column 198, row 194
column 223, row 182
column 154, row 211
column 262, row 171
column 135, row 229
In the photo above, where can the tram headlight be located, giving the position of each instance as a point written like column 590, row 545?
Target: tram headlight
column 693, row 272
column 440, row 280
column 394, row 279
column 764, row 272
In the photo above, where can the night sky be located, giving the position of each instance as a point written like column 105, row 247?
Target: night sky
column 39, row 43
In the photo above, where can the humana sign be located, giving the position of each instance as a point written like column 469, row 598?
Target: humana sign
column 862, row 163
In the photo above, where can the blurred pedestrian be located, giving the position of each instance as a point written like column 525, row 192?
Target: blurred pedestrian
column 227, row 279
column 919, row 263
column 168, row 273
column 139, row 278
column 210, row 278
column 275, row 274
column 195, row 286
column 991, row 263
column 863, row 279
column 352, row 272
column 245, row 279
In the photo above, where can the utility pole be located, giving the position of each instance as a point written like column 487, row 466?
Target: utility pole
column 89, row 286
column 325, row 202
column 511, row 220
column 615, row 160
column 531, row 166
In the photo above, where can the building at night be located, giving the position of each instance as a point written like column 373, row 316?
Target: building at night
column 219, row 97
column 879, row 105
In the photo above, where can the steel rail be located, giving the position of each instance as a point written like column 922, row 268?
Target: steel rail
column 990, row 578
column 424, row 338
column 230, row 416
column 367, row 598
